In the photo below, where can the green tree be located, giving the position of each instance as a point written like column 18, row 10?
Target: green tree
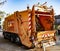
column 2, row 13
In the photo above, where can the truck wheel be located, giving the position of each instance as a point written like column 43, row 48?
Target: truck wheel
column 12, row 40
column 4, row 34
column 17, row 40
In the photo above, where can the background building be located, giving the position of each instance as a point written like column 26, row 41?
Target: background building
column 57, row 21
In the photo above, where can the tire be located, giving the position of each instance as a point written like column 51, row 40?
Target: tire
column 11, row 39
column 18, row 41
column 4, row 34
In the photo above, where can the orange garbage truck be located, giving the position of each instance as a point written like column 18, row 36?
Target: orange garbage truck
column 31, row 27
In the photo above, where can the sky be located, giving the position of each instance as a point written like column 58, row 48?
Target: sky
column 18, row 5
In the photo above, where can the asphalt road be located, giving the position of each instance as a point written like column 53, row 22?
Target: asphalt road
column 6, row 45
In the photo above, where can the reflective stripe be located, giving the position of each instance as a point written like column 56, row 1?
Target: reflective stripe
column 29, row 19
column 45, row 35
column 29, row 24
